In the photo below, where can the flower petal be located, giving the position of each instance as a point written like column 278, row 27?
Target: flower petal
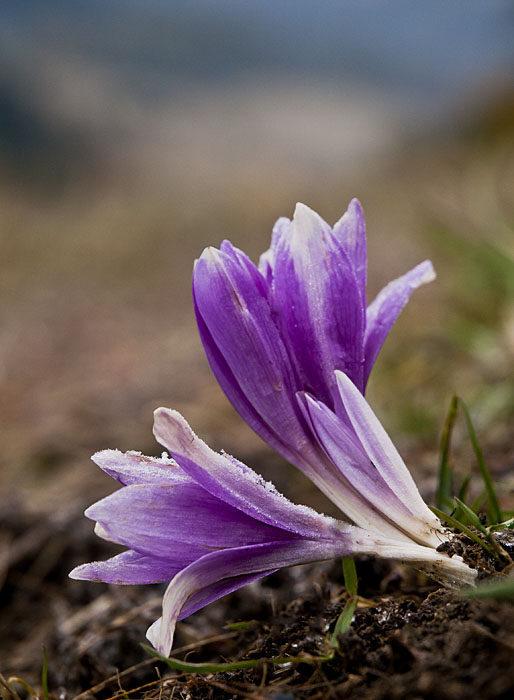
column 235, row 394
column 134, row 468
column 245, row 349
column 208, row 595
column 352, row 485
column 386, row 307
column 267, row 259
column 227, row 565
column 384, row 455
column 219, row 589
column 130, row 568
column 233, row 482
column 350, row 231
column 343, row 450
column 318, row 305
column 159, row 520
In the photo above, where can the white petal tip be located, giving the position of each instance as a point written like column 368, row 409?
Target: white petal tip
column 305, row 216
column 75, row 573
column 154, row 636
column 429, row 274
column 210, row 255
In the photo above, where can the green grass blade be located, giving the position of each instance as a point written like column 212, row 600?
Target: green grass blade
column 494, row 506
column 505, row 525
column 499, row 589
column 463, row 490
column 345, row 618
column 444, row 491
column 187, row 667
column 471, row 516
column 343, row 621
column 463, row 528
column 350, row 575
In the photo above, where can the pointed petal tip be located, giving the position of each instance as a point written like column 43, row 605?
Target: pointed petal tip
column 355, row 204
column 302, row 209
column 305, row 399
column 77, row 574
column 90, row 511
column 161, row 411
column 210, row 255
column 152, row 633
column 157, row 640
column 172, row 431
column 344, row 380
column 86, row 572
column 165, row 417
column 305, row 219
column 429, row 273
column 168, row 417
column 101, row 457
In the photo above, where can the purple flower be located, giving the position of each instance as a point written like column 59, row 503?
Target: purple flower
column 279, row 336
column 292, row 345
column 209, row 525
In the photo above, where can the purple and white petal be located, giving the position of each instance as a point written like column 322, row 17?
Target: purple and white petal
column 342, row 483
column 233, row 482
column 386, row 307
column 318, row 306
column 134, row 468
column 228, row 564
column 130, row 568
column 237, row 397
column 385, row 457
column 233, row 309
column 217, row 590
column 267, row 259
column 208, row 595
column 350, row 231
column 159, row 520
column 343, row 450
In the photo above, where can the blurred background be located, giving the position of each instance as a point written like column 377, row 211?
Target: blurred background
column 133, row 134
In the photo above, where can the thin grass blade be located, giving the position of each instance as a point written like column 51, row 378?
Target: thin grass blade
column 494, row 506
column 471, row 516
column 499, row 589
column 444, row 491
column 188, row 667
column 343, row 621
column 464, row 487
column 350, row 575
column 345, row 618
column 463, row 528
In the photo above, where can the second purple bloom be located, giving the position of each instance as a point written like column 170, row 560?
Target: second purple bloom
column 279, row 331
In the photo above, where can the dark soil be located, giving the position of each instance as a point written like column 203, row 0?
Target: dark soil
column 408, row 639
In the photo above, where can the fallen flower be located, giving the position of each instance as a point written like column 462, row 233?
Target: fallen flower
column 209, row 524
column 274, row 333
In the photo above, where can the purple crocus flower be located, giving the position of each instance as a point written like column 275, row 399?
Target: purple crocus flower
column 209, row 525
column 279, row 336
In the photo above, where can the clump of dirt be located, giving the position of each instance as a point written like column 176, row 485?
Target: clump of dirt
column 486, row 563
